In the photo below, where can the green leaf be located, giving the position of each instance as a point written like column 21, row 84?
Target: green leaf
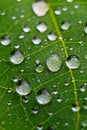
column 68, row 87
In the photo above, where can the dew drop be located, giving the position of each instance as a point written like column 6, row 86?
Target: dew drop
column 21, row 36
column 84, row 123
column 35, row 111
column 43, row 97
column 69, row 0
column 26, row 29
column 58, row 12
column 23, row 88
column 52, row 36
column 36, row 40
column 41, row 27
column 65, row 25
column 73, row 62
column 40, row 8
column 16, row 57
column 85, row 29
column 83, row 89
column 85, row 56
column 75, row 108
column 15, row 79
column 37, row 61
column 5, row 40
column 39, row 68
column 54, row 62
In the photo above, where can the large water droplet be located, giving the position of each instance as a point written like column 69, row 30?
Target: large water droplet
column 40, row 8
column 26, row 29
column 73, row 62
column 41, row 27
column 54, row 62
column 43, row 97
column 36, row 40
column 16, row 57
column 39, row 68
column 65, row 25
column 23, row 88
column 84, row 123
column 5, row 40
column 52, row 36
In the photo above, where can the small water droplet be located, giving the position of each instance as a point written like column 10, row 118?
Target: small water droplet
column 36, row 40
column 39, row 68
column 17, row 46
column 65, row 25
column 40, row 127
column 16, row 57
column 21, row 36
column 37, row 61
column 75, row 108
column 69, row 0
column 5, row 40
column 15, row 79
column 41, row 27
column 23, row 88
column 58, row 12
column 85, row 29
column 35, row 111
column 59, row 99
column 43, row 97
column 73, row 62
column 83, row 89
column 40, row 8
column 85, row 56
column 52, row 36
column 26, row 29
column 84, row 123
column 54, row 62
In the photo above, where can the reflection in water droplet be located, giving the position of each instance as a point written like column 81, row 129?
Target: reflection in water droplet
column 26, row 29
column 16, row 57
column 5, row 40
column 40, row 8
column 84, row 123
column 43, row 97
column 54, row 62
column 52, row 36
column 73, row 62
column 36, row 40
column 39, row 68
column 75, row 108
column 23, row 88
column 41, row 27
column 65, row 25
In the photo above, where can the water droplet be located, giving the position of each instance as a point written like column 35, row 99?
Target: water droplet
column 36, row 40
column 73, row 62
column 40, row 127
column 41, row 27
column 58, row 12
column 16, row 57
column 69, row 0
column 85, row 56
column 83, row 89
column 37, row 61
column 39, row 68
column 85, row 29
column 59, row 99
column 52, row 36
column 84, row 123
column 15, row 79
column 17, row 46
column 5, row 40
column 54, row 62
column 21, row 36
column 23, row 88
column 26, row 29
column 43, row 97
column 65, row 25
column 75, row 108
column 40, row 8
column 35, row 111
